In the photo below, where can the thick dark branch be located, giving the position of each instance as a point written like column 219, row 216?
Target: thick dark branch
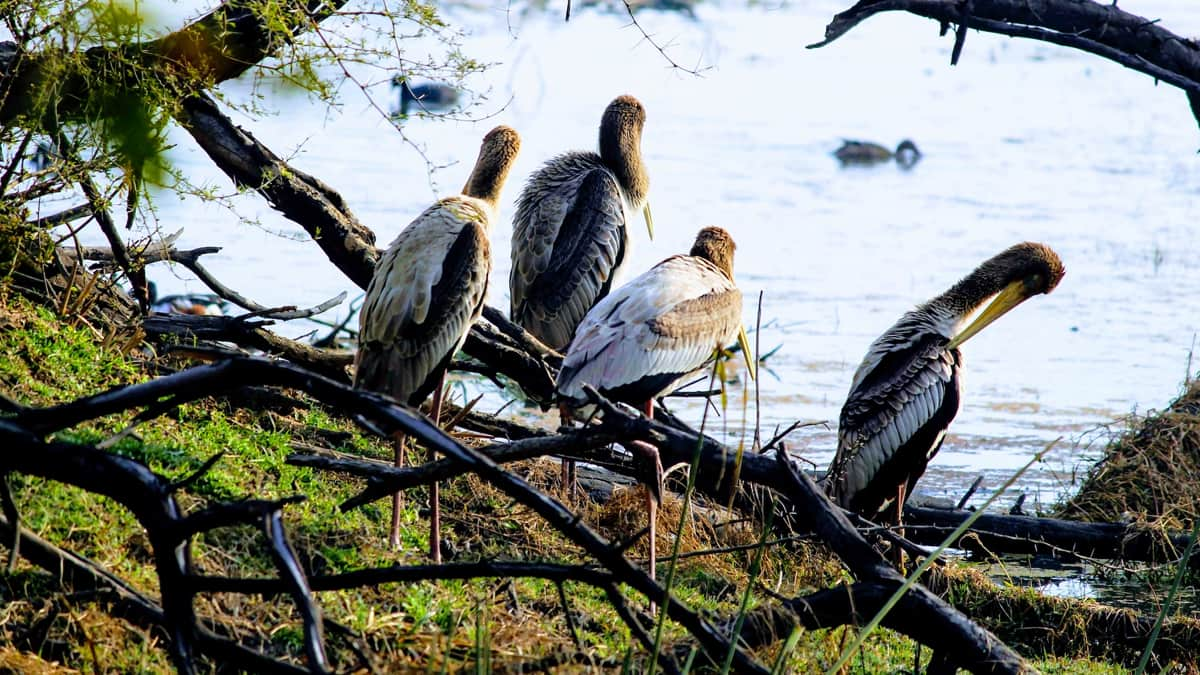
column 1026, row 534
column 185, row 329
column 300, row 197
column 528, row 369
column 523, row 339
column 1102, row 29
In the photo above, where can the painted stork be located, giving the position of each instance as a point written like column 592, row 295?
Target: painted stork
column 427, row 291
column 908, row 387
column 570, row 234
column 655, row 333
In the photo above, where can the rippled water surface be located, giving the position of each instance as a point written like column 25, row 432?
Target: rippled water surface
column 1021, row 141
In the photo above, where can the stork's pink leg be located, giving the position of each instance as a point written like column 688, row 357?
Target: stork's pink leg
column 652, row 502
column 398, row 498
column 568, row 465
column 901, row 493
column 435, row 502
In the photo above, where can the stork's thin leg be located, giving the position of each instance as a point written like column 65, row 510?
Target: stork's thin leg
column 568, row 465
column 898, row 555
column 568, row 480
column 435, row 497
column 652, row 502
column 398, row 498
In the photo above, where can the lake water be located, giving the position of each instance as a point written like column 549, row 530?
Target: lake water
column 1022, row 141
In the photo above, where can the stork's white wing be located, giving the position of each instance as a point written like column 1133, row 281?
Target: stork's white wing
column 666, row 321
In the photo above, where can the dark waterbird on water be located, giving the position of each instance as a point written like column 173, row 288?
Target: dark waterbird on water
column 907, row 389
column 427, row 291
column 570, row 232
column 865, row 153
column 201, row 304
column 432, row 97
column 653, row 334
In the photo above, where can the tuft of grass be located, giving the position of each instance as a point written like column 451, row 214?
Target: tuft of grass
column 1148, row 471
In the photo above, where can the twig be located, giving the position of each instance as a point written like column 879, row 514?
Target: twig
column 13, row 516
column 962, row 503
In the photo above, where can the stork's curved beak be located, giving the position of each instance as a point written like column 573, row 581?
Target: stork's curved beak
column 750, row 358
column 1012, row 295
column 649, row 219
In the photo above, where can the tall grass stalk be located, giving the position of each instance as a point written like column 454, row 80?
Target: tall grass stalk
column 755, row 567
column 1162, row 613
column 789, row 646
column 684, row 512
column 929, row 560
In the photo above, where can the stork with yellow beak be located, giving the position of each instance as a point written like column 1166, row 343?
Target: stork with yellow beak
column 907, row 390
column 652, row 335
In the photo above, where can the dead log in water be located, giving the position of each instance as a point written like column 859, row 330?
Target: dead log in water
column 994, row 533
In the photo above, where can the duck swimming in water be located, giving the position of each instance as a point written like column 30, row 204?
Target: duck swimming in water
column 865, row 153
column 432, row 97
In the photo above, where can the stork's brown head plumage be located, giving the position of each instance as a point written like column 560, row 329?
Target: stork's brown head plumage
column 496, row 156
column 1009, row 278
column 715, row 245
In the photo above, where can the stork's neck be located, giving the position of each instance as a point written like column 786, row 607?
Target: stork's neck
column 621, row 152
column 961, row 300
column 486, row 181
column 496, row 157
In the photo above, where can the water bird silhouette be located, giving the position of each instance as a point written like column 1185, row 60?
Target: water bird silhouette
column 866, row 153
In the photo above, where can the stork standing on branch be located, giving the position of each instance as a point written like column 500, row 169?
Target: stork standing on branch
column 427, row 291
column 908, row 387
column 653, row 335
